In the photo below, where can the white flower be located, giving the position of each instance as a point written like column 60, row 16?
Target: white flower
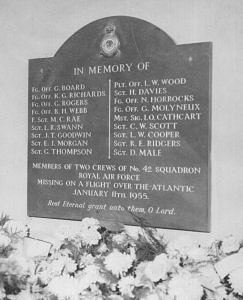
column 23, row 264
column 230, row 244
column 118, row 262
column 185, row 287
column 70, row 265
column 90, row 275
column 120, row 238
column 155, row 270
column 90, row 237
column 4, row 240
column 64, row 287
column 15, row 227
column 89, row 223
column 126, row 286
column 237, row 281
column 88, row 231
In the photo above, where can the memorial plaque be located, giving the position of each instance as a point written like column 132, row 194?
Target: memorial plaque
column 119, row 128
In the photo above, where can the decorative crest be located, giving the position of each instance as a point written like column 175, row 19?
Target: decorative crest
column 110, row 43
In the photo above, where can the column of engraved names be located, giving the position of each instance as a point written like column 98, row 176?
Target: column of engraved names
column 57, row 120
column 149, row 115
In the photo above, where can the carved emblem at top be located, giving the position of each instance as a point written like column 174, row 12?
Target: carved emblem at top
column 110, row 42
